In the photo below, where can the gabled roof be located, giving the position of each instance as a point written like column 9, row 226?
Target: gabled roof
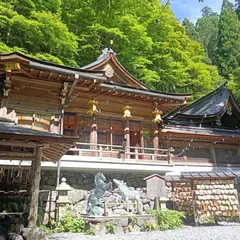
column 217, row 105
column 105, row 76
column 108, row 61
column 44, row 65
column 202, row 176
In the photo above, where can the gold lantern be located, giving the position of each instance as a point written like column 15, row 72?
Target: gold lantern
column 127, row 113
column 157, row 116
column 93, row 107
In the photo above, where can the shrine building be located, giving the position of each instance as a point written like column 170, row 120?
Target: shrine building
column 101, row 118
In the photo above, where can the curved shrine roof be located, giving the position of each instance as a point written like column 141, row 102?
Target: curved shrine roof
column 217, row 108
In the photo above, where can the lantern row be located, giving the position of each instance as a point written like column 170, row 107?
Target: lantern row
column 127, row 115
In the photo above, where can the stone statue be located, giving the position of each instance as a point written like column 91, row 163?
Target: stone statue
column 128, row 193
column 93, row 205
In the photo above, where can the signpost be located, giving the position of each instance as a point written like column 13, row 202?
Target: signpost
column 156, row 188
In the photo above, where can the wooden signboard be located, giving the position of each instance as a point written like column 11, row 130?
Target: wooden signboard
column 155, row 186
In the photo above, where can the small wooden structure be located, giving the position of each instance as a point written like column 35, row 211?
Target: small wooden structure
column 18, row 143
column 156, row 187
column 200, row 194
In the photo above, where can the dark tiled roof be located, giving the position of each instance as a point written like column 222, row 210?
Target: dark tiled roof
column 212, row 105
column 201, row 175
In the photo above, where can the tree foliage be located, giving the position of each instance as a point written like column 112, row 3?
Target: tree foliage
column 146, row 35
column 228, row 53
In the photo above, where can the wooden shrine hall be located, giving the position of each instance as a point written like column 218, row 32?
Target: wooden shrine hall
column 206, row 131
column 100, row 117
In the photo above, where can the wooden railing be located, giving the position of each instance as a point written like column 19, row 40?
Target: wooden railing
column 116, row 151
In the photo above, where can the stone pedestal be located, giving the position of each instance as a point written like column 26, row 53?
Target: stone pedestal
column 62, row 200
column 163, row 201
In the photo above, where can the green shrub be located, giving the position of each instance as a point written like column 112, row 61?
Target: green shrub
column 205, row 219
column 46, row 229
column 71, row 224
column 132, row 220
column 110, row 227
column 168, row 219
column 91, row 231
column 149, row 226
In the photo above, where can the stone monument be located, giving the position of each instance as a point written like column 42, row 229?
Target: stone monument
column 93, row 204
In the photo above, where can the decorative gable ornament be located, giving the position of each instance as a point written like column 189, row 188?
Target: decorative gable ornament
column 93, row 107
column 127, row 113
column 157, row 116
column 108, row 71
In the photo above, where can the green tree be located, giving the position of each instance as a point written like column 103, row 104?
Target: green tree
column 207, row 29
column 146, row 35
column 40, row 34
column 228, row 44
column 190, row 29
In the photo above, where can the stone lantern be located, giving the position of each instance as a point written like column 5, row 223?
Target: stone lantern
column 62, row 200
column 63, row 190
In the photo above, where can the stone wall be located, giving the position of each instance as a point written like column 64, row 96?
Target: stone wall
column 85, row 180
column 82, row 183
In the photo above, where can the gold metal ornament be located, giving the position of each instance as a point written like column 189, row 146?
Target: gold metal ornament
column 127, row 113
column 157, row 116
column 12, row 66
column 93, row 107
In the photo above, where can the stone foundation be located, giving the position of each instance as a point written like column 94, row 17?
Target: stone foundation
column 121, row 224
column 84, row 182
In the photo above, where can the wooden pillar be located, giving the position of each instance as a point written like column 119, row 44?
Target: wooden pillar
column 111, row 133
column 6, row 90
column 213, row 154
column 127, row 137
column 156, row 138
column 93, row 133
column 142, row 141
column 36, row 176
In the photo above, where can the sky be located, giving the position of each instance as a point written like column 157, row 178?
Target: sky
column 191, row 9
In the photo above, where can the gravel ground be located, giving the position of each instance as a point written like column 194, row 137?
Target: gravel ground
column 187, row 233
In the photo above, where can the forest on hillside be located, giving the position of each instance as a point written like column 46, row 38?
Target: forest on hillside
column 149, row 41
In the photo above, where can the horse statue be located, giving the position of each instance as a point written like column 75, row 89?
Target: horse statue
column 93, row 206
column 128, row 193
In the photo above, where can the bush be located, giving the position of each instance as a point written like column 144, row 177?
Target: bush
column 71, row 224
column 91, row 231
column 110, row 227
column 169, row 219
column 149, row 226
column 205, row 219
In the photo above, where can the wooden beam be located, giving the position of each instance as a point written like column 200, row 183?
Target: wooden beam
column 36, row 81
column 59, row 76
column 16, row 154
column 30, row 98
column 39, row 109
column 73, row 85
column 27, row 73
column 17, row 158
column 9, row 142
column 49, row 76
column 36, row 176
